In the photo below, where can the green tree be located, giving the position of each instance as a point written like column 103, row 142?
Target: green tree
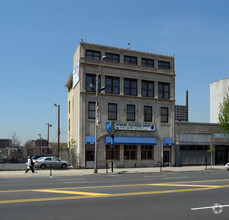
column 224, row 115
column 211, row 149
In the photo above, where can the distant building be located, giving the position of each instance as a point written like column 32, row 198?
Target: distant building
column 5, row 143
column 218, row 90
column 181, row 111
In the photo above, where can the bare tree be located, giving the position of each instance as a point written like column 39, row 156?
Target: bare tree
column 15, row 141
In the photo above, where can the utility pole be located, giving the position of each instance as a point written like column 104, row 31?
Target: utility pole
column 40, row 142
column 112, row 152
column 97, row 116
column 49, row 125
column 58, row 150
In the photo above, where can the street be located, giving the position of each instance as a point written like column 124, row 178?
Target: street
column 168, row 195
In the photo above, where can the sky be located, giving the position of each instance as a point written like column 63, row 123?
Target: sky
column 38, row 40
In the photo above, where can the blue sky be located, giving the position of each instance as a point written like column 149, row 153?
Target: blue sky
column 38, row 40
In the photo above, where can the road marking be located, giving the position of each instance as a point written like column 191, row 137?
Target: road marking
column 43, row 199
column 189, row 185
column 94, row 195
column 84, row 195
column 71, row 192
column 208, row 207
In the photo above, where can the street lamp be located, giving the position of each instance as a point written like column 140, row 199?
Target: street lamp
column 96, row 116
column 58, row 151
column 40, row 142
column 49, row 125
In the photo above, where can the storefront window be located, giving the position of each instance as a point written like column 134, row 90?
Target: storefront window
column 116, row 152
column 147, row 152
column 130, row 152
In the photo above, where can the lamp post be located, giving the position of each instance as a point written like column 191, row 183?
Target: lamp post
column 58, row 149
column 96, row 116
column 49, row 125
column 40, row 142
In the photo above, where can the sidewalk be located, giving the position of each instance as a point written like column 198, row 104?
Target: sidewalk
column 116, row 171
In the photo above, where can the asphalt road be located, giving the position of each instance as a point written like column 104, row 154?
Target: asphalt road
column 186, row 195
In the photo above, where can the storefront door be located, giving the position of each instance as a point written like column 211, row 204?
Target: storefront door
column 166, row 158
column 89, row 151
column 221, row 155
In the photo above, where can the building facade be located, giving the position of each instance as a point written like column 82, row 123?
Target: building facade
column 181, row 111
column 193, row 141
column 136, row 103
column 218, row 90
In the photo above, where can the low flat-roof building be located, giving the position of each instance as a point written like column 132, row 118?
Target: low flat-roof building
column 193, row 140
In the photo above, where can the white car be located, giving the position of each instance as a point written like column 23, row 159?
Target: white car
column 227, row 166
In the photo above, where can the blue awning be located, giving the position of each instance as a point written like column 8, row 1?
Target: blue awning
column 89, row 139
column 168, row 142
column 132, row 140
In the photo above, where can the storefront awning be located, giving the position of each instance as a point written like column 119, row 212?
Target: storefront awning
column 168, row 142
column 89, row 139
column 132, row 141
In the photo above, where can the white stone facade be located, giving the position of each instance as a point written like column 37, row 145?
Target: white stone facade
column 122, row 71
column 218, row 90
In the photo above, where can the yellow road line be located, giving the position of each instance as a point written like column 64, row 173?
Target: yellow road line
column 71, row 192
column 94, row 196
column 188, row 185
column 43, row 199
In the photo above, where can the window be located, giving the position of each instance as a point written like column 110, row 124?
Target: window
column 48, row 158
column 112, row 57
column 69, row 107
column 69, row 125
column 130, row 152
column 91, row 110
column 164, row 115
column 91, row 82
column 130, row 87
column 130, row 60
column 163, row 65
column 116, row 152
column 91, row 54
column 112, row 111
column 147, row 89
column 112, row 85
column 146, row 152
column 164, row 90
column 130, row 112
column 148, row 113
column 147, row 62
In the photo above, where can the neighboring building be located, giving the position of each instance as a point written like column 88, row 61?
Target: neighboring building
column 193, row 141
column 218, row 90
column 181, row 111
column 138, row 103
column 5, row 143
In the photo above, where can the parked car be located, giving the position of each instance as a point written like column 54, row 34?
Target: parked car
column 35, row 157
column 227, row 166
column 48, row 161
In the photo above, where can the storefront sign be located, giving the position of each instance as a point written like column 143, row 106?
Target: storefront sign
column 134, row 127
column 221, row 135
column 108, row 126
column 76, row 74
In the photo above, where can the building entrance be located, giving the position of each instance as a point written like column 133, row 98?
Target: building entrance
column 221, row 155
column 166, row 157
column 89, row 153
